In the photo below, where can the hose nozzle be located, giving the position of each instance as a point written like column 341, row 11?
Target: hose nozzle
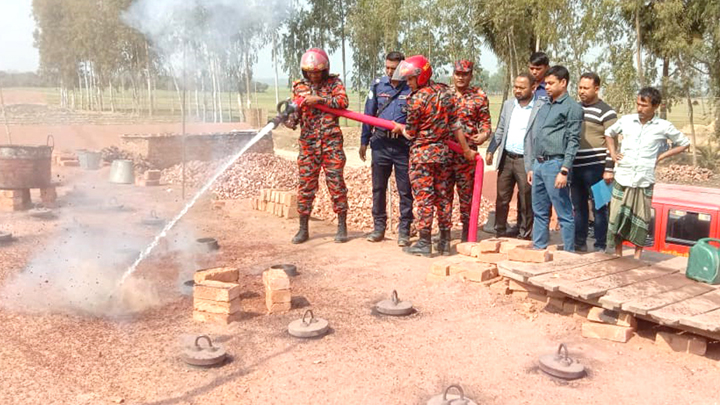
column 284, row 109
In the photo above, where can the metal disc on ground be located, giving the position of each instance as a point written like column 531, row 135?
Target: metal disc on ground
column 308, row 327
column 203, row 356
column 289, row 269
column 153, row 220
column 394, row 307
column 451, row 399
column 41, row 213
column 207, row 245
column 5, row 237
column 113, row 205
column 560, row 365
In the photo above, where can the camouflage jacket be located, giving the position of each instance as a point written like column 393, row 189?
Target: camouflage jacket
column 472, row 112
column 315, row 124
column 430, row 119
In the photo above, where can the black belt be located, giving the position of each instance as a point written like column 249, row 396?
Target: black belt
column 513, row 155
column 543, row 159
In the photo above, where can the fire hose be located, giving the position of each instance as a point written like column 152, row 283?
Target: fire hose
column 287, row 107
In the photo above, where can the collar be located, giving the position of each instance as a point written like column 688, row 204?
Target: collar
column 561, row 99
column 529, row 106
column 654, row 119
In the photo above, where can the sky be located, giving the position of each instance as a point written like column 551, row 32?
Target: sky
column 17, row 52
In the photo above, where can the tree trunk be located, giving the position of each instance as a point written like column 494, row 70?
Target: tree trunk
column 641, row 76
column 275, row 64
column 197, row 102
column 692, row 124
column 230, row 105
column 88, row 97
column 204, row 97
column 506, row 88
column 112, row 96
column 214, row 91
column 149, row 79
column 248, row 77
column 220, row 105
column 665, row 82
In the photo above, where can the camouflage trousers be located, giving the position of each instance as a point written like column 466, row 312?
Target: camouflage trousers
column 462, row 175
column 429, row 183
column 332, row 161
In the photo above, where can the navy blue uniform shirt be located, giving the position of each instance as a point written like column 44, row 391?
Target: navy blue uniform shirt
column 380, row 92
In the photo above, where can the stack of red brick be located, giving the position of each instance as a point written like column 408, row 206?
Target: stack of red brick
column 64, row 158
column 477, row 261
column 282, row 203
column 19, row 200
column 278, row 297
column 216, row 295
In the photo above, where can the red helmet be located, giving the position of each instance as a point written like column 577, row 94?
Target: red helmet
column 314, row 60
column 414, row 66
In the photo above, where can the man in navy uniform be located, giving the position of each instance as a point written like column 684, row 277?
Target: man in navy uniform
column 387, row 99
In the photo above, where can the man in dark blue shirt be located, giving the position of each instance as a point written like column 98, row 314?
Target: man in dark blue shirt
column 538, row 66
column 387, row 99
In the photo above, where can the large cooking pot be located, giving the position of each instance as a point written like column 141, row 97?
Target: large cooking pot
column 24, row 167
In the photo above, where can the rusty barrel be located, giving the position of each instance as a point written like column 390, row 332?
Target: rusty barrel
column 25, row 166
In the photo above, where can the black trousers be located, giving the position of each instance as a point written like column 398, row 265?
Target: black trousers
column 512, row 172
column 386, row 155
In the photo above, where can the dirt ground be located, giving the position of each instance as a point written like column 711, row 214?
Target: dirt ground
column 58, row 348
column 462, row 333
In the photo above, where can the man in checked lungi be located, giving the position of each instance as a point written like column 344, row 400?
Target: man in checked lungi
column 643, row 136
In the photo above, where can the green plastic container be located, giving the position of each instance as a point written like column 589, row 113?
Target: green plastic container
column 704, row 261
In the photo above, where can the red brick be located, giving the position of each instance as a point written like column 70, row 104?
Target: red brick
column 290, row 199
column 70, row 163
column 153, row 175
column 465, row 248
column 686, row 343
column 489, row 245
column 23, row 194
column 48, row 196
column 509, row 244
column 521, row 254
column 208, row 317
column 481, row 272
column 538, row 296
column 493, row 258
column 224, row 274
column 278, row 296
column 276, row 279
column 290, row 212
column 608, row 332
column 216, row 307
column 596, row 314
column 440, row 267
column 217, row 291
column 278, row 307
column 518, row 286
column 147, row 183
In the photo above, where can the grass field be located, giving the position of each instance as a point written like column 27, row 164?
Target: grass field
column 167, row 103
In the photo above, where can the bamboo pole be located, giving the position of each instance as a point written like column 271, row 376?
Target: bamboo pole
column 5, row 119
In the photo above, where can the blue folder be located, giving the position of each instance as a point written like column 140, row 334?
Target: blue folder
column 602, row 193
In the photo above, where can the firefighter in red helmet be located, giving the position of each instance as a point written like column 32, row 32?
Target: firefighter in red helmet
column 430, row 122
column 321, row 140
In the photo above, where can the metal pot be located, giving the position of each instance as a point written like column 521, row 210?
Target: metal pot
column 90, row 160
column 122, row 172
column 26, row 166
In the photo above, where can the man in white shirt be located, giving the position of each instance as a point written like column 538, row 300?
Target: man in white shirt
column 512, row 138
column 643, row 136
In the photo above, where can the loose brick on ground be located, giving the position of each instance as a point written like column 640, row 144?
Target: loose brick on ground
column 493, row 258
column 491, row 245
column 465, row 248
column 481, row 272
column 608, row 332
column 509, row 244
column 686, row 342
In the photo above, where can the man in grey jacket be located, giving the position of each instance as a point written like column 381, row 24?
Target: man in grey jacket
column 514, row 140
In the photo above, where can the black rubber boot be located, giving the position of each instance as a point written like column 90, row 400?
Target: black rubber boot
column 404, row 237
column 377, row 235
column 465, row 231
column 302, row 234
column 443, row 246
column 341, row 235
column 423, row 247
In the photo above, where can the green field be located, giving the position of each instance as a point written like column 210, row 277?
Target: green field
column 168, row 104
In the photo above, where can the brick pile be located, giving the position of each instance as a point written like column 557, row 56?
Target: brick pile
column 682, row 174
column 65, row 159
column 14, row 200
column 216, row 295
column 282, row 203
column 278, row 297
column 609, row 325
column 682, row 342
column 149, row 179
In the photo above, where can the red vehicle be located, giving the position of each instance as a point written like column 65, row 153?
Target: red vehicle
column 680, row 216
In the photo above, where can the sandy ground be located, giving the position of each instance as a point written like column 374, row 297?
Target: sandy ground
column 462, row 333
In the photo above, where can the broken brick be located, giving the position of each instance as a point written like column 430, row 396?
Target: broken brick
column 493, row 258
column 440, row 267
column 489, row 245
column 509, row 244
column 480, row 273
column 224, row 274
column 465, row 248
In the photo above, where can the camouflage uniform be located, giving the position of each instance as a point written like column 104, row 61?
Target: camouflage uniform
column 430, row 118
column 321, row 144
column 472, row 117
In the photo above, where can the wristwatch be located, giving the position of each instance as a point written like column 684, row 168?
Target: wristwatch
column 564, row 172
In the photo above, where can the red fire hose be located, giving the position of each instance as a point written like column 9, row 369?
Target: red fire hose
column 389, row 125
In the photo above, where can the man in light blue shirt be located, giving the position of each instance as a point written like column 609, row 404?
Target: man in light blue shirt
column 512, row 138
column 643, row 136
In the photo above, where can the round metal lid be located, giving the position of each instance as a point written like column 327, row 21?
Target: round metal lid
column 5, row 237
column 113, row 205
column 41, row 213
column 451, row 399
column 560, row 365
column 289, row 269
column 207, row 244
column 312, row 327
column 203, row 356
column 394, row 307
column 153, row 220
